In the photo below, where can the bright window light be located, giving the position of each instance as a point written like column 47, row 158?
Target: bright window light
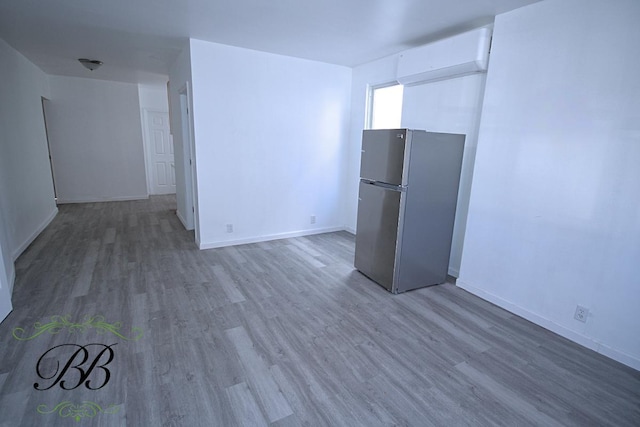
column 386, row 107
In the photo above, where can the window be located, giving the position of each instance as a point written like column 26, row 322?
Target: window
column 385, row 107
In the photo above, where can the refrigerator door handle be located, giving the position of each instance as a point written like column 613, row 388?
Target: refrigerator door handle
column 384, row 185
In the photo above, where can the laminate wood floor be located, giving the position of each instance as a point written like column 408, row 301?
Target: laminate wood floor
column 282, row 333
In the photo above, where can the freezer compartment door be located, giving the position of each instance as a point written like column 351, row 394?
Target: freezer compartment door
column 383, row 153
column 377, row 232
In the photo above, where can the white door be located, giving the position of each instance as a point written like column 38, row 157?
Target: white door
column 162, row 179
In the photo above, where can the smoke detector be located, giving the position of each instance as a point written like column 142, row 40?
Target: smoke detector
column 90, row 64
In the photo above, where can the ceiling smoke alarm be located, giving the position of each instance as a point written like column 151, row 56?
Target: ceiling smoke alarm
column 90, row 64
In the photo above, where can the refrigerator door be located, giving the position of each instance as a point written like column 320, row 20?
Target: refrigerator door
column 383, row 155
column 377, row 237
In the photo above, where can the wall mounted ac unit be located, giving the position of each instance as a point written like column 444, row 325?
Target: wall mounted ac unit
column 465, row 53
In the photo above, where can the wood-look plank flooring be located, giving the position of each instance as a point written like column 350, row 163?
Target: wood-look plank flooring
column 281, row 333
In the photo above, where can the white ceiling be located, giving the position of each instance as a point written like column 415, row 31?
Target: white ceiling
column 138, row 39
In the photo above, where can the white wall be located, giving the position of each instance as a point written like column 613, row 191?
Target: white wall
column 554, row 218
column 96, row 140
column 271, row 137
column 153, row 97
column 179, row 78
column 26, row 191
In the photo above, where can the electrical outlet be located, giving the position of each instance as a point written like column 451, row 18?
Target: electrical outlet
column 229, row 228
column 581, row 314
column 312, row 220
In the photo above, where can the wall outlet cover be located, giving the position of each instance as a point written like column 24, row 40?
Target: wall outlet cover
column 581, row 314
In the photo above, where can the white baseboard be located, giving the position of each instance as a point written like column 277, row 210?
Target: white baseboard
column 569, row 334
column 350, row 230
column 12, row 280
column 182, row 220
column 63, row 201
column 257, row 239
column 18, row 251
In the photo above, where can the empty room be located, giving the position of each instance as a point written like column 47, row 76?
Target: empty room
column 320, row 213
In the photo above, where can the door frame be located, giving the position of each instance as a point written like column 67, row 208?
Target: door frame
column 6, row 287
column 44, row 101
column 189, row 159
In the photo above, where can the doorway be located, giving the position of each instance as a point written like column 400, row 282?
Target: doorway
column 45, row 103
column 189, row 166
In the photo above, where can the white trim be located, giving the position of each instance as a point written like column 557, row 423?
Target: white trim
column 7, row 280
column 12, row 280
column 350, row 230
column 103, row 199
column 266, row 238
column 188, row 144
column 578, row 338
column 368, row 107
column 18, row 251
column 145, row 145
column 182, row 220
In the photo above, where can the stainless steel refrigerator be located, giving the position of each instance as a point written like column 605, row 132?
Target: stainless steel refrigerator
column 406, row 206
